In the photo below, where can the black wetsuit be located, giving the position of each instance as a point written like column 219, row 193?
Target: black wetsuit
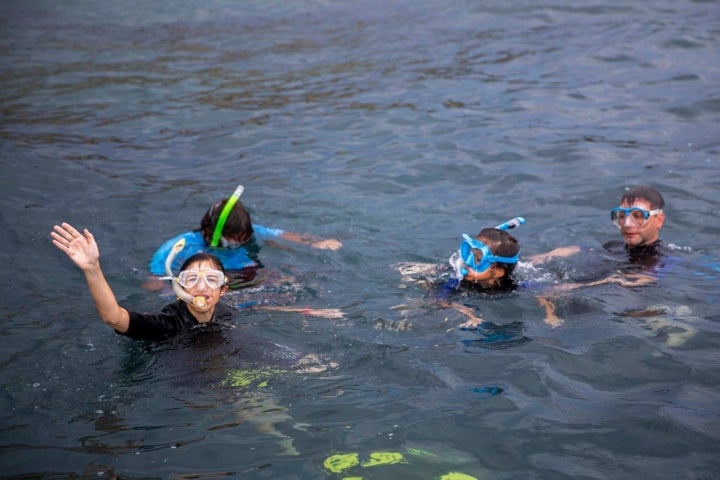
column 174, row 319
column 644, row 256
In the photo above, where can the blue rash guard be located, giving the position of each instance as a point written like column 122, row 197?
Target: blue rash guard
column 232, row 258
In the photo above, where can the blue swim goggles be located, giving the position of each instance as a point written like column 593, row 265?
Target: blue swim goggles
column 486, row 259
column 638, row 216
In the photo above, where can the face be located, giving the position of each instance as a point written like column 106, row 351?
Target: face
column 202, row 289
column 487, row 278
column 645, row 234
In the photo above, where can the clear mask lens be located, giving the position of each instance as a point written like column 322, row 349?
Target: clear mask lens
column 191, row 278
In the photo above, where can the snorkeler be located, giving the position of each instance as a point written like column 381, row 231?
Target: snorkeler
column 201, row 282
column 487, row 263
column 226, row 230
column 639, row 217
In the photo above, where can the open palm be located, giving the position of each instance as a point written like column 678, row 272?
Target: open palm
column 81, row 248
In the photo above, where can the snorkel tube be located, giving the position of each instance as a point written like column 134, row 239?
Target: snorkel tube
column 512, row 223
column 217, row 233
column 177, row 288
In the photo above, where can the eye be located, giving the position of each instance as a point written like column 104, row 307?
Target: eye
column 212, row 278
column 638, row 215
column 478, row 256
column 191, row 278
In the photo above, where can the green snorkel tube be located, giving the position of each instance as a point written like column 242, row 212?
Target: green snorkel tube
column 217, row 233
column 177, row 288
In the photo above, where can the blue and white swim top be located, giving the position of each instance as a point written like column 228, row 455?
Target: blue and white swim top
column 232, row 258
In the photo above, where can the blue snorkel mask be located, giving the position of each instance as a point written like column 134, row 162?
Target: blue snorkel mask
column 466, row 257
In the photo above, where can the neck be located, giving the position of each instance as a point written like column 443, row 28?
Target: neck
column 201, row 316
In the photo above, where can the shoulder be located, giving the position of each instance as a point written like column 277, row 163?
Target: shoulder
column 193, row 244
column 171, row 320
column 223, row 312
column 193, row 240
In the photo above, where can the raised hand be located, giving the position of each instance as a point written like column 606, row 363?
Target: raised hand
column 81, row 248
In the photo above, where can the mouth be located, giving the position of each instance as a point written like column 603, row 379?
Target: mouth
column 630, row 236
column 200, row 301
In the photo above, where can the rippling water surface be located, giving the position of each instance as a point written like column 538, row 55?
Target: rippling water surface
column 394, row 127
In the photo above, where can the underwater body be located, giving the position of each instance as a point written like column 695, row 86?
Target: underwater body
column 395, row 128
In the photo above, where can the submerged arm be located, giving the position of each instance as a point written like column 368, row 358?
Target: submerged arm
column 559, row 252
column 317, row 242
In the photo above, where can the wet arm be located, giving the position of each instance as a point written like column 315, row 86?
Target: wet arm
column 317, row 242
column 472, row 319
column 550, row 317
column 559, row 252
column 83, row 251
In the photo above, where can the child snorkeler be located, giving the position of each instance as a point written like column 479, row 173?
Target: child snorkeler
column 226, row 230
column 199, row 286
column 487, row 263
column 201, row 283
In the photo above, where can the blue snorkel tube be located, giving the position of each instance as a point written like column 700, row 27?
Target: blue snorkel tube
column 512, row 223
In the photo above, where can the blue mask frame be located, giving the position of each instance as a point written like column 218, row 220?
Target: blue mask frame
column 488, row 258
column 628, row 212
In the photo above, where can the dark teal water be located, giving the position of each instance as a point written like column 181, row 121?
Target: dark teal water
column 394, row 127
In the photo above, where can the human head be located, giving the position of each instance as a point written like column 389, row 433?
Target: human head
column 204, row 262
column 501, row 244
column 648, row 199
column 238, row 227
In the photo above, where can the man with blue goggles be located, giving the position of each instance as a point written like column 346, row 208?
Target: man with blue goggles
column 639, row 217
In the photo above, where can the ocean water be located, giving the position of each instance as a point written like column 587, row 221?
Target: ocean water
column 394, row 127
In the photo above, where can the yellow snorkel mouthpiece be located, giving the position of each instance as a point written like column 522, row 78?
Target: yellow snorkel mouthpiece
column 177, row 288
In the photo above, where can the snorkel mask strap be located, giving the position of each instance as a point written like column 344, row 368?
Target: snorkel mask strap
column 217, row 234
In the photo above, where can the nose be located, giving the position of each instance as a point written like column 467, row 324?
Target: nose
column 629, row 219
column 202, row 284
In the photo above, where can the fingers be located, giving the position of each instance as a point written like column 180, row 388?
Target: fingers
column 65, row 231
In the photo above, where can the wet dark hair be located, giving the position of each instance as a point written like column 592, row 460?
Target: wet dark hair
column 502, row 244
column 238, row 225
column 204, row 257
column 646, row 193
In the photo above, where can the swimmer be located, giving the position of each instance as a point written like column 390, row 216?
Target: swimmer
column 484, row 262
column 201, row 276
column 200, row 285
column 639, row 217
column 226, row 231
column 487, row 263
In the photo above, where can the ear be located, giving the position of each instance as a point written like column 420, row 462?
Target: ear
column 660, row 220
column 497, row 272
